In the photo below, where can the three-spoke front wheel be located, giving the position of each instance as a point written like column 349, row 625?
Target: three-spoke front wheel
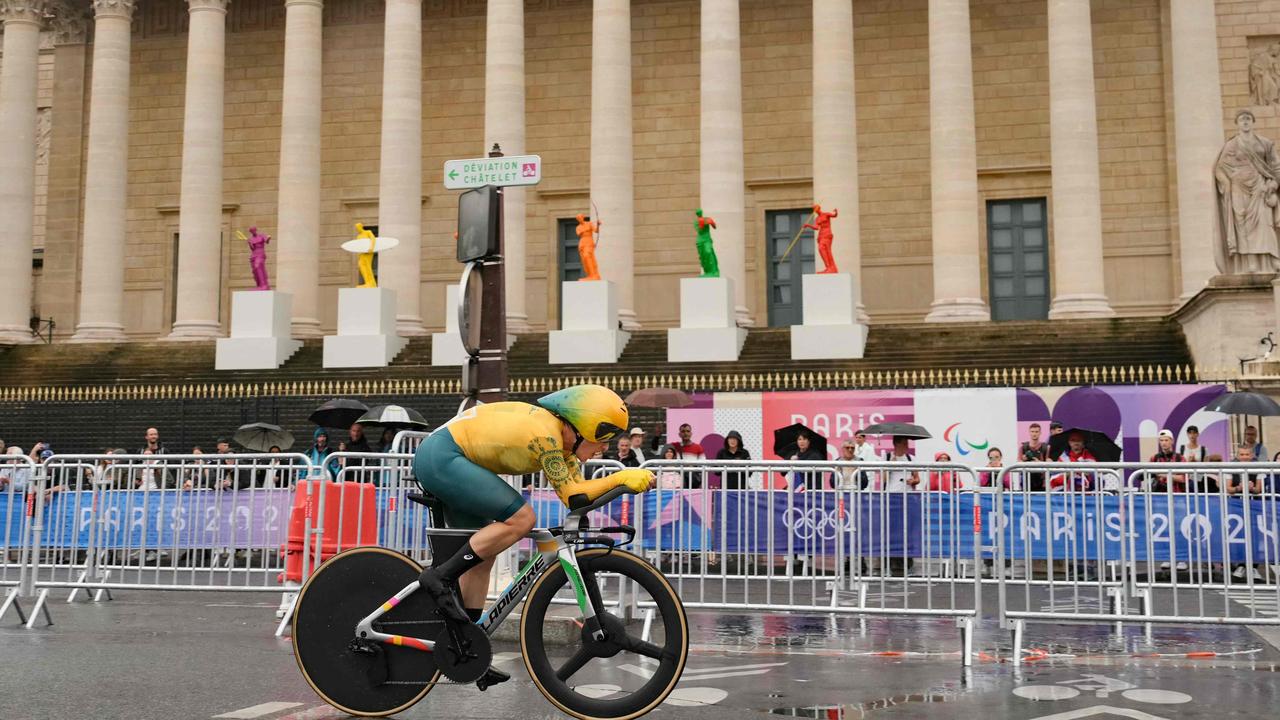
column 624, row 675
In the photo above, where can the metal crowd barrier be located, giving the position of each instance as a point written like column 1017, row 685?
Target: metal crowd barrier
column 833, row 537
column 172, row 522
column 1138, row 542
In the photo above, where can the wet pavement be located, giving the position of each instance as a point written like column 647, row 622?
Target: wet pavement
column 197, row 655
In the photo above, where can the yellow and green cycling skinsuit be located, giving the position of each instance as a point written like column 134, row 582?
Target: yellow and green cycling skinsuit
column 460, row 463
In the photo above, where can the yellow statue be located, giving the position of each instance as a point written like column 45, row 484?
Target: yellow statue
column 365, row 262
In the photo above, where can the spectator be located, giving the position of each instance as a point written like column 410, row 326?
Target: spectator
column 152, row 475
column 1245, row 482
column 1249, row 484
column 1032, row 451
column 900, row 480
column 1204, row 482
column 995, row 459
column 805, row 451
column 320, row 452
column 1257, row 448
column 229, row 475
column 733, row 450
column 1193, row 451
column 1055, row 428
column 151, row 441
column 1076, row 453
column 388, row 440
column 1166, row 482
column 196, row 476
column 14, row 475
column 687, row 449
column 669, row 479
column 271, row 477
column 625, row 454
column 942, row 480
column 637, row 443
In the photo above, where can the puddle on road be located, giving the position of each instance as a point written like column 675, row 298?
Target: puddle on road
column 849, row 711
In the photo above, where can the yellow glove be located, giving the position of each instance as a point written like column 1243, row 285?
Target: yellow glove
column 636, row 479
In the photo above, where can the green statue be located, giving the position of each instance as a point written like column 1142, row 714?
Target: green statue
column 706, row 251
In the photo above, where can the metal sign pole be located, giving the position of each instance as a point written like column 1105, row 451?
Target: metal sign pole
column 491, row 378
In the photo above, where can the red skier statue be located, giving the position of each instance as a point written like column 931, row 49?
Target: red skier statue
column 822, row 225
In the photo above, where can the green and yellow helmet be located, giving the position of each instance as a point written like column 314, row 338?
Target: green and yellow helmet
column 594, row 411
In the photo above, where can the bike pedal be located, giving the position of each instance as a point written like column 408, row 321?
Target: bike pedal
column 492, row 676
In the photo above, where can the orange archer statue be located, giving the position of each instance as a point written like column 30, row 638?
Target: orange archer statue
column 587, row 231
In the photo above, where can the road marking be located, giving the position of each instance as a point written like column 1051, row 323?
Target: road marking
column 695, row 696
column 319, row 712
column 1100, row 710
column 1159, row 697
column 707, row 673
column 693, row 671
column 1045, row 692
column 503, row 657
column 258, row 711
column 1263, row 603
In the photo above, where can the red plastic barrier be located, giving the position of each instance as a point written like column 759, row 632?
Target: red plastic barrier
column 350, row 520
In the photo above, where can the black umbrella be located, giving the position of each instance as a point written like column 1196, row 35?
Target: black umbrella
column 1244, row 403
column 784, row 441
column 262, row 436
column 338, row 413
column 394, row 416
column 1098, row 444
column 906, row 430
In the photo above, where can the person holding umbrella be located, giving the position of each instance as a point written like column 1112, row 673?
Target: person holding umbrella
column 1076, row 452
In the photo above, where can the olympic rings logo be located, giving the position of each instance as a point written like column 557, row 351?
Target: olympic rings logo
column 816, row 523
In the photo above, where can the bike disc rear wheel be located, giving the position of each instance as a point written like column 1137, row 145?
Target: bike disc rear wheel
column 341, row 593
column 622, row 677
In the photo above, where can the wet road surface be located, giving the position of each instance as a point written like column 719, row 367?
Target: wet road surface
column 195, row 655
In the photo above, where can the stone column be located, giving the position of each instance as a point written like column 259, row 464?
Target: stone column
column 106, row 176
column 612, row 156
column 200, row 205
column 1197, row 125
column 504, row 126
column 1079, row 287
column 722, row 176
column 298, row 245
column 18, row 76
column 953, row 166
column 400, row 179
column 835, row 135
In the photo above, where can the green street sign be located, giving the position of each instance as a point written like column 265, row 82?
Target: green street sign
column 499, row 171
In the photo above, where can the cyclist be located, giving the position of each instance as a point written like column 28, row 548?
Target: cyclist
column 460, row 463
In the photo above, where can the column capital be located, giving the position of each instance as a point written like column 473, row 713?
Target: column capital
column 114, row 8
column 313, row 3
column 69, row 22
column 216, row 5
column 23, row 11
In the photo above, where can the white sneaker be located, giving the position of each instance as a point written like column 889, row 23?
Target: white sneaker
column 1182, row 566
column 1238, row 573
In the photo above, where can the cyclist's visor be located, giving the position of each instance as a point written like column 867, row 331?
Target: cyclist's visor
column 607, row 431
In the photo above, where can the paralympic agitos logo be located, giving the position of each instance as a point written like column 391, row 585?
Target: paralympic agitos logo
column 963, row 447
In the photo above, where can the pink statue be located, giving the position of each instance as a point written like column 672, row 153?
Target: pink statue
column 258, row 256
column 823, row 228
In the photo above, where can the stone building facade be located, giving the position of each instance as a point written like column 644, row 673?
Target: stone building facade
column 929, row 115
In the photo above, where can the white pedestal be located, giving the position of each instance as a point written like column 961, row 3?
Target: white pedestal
column 446, row 347
column 708, row 330
column 589, row 325
column 366, row 329
column 831, row 329
column 260, row 337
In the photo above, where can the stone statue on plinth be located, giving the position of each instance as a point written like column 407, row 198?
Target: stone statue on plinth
column 706, row 251
column 587, row 231
column 258, row 257
column 1247, row 177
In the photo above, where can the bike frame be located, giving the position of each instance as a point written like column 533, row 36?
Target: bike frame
column 551, row 547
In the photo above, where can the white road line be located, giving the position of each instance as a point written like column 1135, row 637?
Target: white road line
column 700, row 675
column 693, row 671
column 258, row 711
column 319, row 712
